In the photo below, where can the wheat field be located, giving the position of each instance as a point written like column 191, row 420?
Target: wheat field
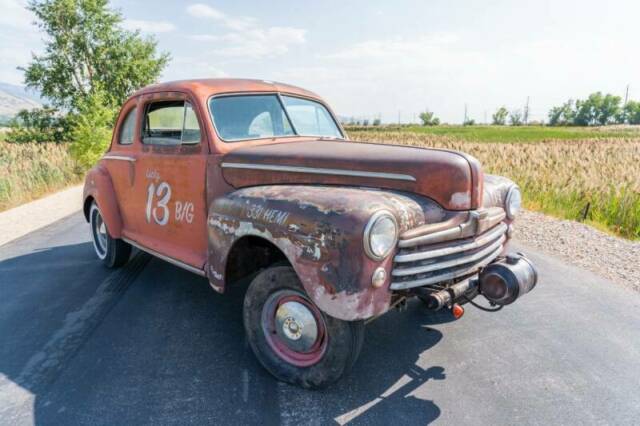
column 28, row 171
column 559, row 177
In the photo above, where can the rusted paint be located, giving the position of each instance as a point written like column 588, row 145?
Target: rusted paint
column 437, row 173
column 320, row 229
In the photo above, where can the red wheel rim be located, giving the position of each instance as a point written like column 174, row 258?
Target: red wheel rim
column 294, row 328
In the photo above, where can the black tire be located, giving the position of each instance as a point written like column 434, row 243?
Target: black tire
column 340, row 345
column 112, row 251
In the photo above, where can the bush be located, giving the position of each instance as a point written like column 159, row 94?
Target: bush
column 515, row 118
column 38, row 125
column 91, row 129
column 499, row 118
column 429, row 119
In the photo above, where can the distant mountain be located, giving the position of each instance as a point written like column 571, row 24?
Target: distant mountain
column 14, row 98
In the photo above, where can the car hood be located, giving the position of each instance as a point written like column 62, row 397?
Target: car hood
column 452, row 179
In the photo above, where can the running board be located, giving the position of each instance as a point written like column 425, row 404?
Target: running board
column 171, row 260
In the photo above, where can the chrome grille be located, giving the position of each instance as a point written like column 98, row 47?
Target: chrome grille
column 426, row 258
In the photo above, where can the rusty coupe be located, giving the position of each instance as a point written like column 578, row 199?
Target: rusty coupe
column 246, row 179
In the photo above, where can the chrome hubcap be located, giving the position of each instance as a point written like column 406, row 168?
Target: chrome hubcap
column 102, row 232
column 99, row 233
column 296, row 326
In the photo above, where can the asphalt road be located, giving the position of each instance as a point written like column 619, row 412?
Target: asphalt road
column 153, row 344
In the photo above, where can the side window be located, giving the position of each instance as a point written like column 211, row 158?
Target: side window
column 170, row 123
column 127, row 128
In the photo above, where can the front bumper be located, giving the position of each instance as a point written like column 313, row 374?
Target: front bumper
column 449, row 251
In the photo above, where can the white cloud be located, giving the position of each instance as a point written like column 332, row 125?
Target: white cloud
column 398, row 76
column 248, row 39
column 15, row 14
column 397, row 47
column 18, row 38
column 148, row 26
column 192, row 67
column 240, row 23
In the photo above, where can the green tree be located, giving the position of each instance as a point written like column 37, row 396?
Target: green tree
column 563, row 115
column 609, row 109
column 429, row 119
column 499, row 118
column 85, row 48
column 91, row 127
column 44, row 124
column 597, row 109
column 632, row 112
column 515, row 117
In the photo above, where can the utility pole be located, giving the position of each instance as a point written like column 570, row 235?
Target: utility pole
column 626, row 96
column 526, row 112
column 465, row 115
column 398, row 117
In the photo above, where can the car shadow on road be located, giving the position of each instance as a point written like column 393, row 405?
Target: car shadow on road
column 388, row 383
column 153, row 344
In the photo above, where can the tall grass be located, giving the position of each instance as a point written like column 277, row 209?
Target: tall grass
column 28, row 171
column 560, row 177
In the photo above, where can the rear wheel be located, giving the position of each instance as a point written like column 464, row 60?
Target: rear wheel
column 291, row 337
column 112, row 251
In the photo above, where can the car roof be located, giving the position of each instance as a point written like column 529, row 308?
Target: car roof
column 214, row 86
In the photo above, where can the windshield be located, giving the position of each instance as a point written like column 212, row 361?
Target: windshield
column 242, row 117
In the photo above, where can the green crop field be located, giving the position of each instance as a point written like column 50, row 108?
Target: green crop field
column 511, row 134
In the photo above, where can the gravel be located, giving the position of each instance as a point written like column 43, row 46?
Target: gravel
column 611, row 257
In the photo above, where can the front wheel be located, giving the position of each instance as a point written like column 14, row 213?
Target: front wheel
column 112, row 251
column 291, row 337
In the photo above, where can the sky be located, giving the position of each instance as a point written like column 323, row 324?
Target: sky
column 387, row 59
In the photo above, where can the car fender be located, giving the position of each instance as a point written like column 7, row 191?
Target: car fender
column 99, row 187
column 320, row 231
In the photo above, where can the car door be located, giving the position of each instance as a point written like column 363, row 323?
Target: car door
column 170, row 207
column 121, row 158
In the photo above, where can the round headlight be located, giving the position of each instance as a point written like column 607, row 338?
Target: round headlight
column 380, row 235
column 513, row 202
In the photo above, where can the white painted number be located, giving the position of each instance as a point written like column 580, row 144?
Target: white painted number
column 160, row 211
column 163, row 192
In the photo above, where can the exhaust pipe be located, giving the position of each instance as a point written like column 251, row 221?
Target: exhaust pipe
column 447, row 296
column 505, row 281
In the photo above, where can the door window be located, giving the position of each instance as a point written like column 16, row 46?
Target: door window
column 170, row 123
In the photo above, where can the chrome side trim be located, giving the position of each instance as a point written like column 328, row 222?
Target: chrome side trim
column 119, row 157
column 167, row 258
column 318, row 171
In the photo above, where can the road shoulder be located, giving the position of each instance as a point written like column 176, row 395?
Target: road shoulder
column 21, row 220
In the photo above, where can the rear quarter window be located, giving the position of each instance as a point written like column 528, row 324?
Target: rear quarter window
column 127, row 128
